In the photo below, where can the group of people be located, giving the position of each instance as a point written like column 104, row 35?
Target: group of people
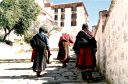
column 84, row 47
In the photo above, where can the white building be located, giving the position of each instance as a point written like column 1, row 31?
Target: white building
column 68, row 16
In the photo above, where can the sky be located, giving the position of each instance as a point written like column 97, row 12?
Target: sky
column 92, row 6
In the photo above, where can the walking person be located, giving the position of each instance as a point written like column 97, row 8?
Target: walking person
column 47, row 51
column 63, row 53
column 85, row 48
column 39, row 45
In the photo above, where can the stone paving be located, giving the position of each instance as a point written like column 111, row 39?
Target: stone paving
column 19, row 72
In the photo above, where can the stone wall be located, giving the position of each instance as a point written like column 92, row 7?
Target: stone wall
column 112, row 42
column 101, row 41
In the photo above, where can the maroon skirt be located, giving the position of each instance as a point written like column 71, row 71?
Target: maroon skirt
column 84, row 60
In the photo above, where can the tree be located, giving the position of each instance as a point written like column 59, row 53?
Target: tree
column 17, row 15
column 50, row 26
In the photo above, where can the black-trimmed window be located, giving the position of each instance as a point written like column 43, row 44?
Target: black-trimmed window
column 62, row 9
column 74, row 9
column 73, row 23
column 56, row 10
column 56, row 17
column 62, row 24
column 73, row 16
column 62, row 16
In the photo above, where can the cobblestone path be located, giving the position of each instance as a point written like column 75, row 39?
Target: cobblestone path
column 21, row 73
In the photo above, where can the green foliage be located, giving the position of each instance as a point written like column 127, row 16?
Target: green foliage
column 50, row 27
column 29, row 10
column 9, row 13
column 28, row 36
column 17, row 15
column 1, row 38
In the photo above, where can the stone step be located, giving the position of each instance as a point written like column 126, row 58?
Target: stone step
column 14, row 60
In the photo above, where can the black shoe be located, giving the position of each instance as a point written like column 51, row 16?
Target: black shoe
column 84, row 76
column 90, row 75
column 64, row 65
column 39, row 75
column 48, row 62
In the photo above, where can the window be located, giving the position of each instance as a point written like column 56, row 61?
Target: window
column 56, row 17
column 74, row 9
column 73, row 23
column 56, row 10
column 73, row 16
column 56, row 23
column 62, row 24
column 62, row 16
column 62, row 9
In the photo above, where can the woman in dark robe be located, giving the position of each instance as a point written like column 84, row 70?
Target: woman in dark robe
column 84, row 47
column 63, row 54
column 39, row 54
